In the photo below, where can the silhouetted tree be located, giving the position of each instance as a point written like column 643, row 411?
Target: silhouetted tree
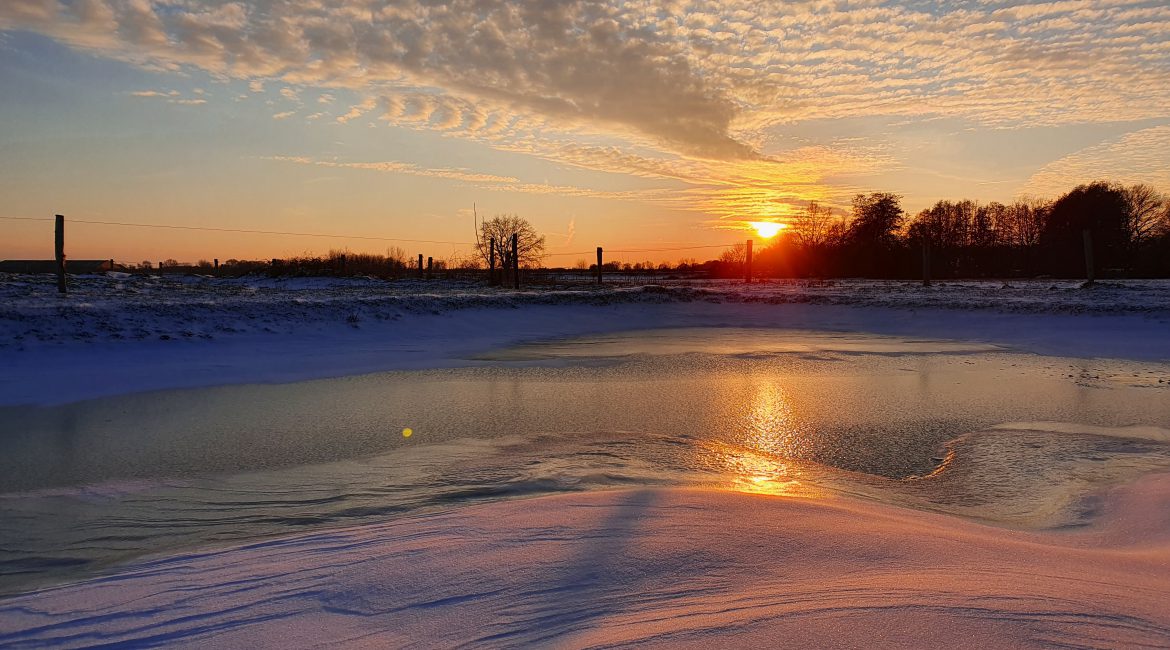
column 871, row 239
column 530, row 245
column 876, row 219
column 811, row 227
column 1145, row 208
column 1102, row 209
column 1022, row 222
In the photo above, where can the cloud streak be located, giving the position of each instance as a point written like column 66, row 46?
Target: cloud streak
column 1138, row 157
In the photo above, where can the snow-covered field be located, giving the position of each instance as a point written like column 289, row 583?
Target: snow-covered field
column 118, row 333
column 672, row 567
column 121, row 307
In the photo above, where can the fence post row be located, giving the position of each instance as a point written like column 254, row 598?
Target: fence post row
column 59, row 246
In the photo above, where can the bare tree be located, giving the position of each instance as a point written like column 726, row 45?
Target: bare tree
column 1144, row 214
column 812, row 226
column 1020, row 224
column 500, row 228
column 735, row 255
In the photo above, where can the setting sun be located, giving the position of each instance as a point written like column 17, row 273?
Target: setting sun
column 767, row 229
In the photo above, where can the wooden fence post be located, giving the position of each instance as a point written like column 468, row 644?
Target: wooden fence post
column 59, row 245
column 1087, row 236
column 420, row 271
column 747, row 266
column 516, row 260
column 430, row 266
column 492, row 262
column 925, row 262
column 598, row 265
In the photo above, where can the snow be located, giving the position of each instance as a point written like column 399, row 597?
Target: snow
column 677, row 567
column 662, row 567
column 116, row 335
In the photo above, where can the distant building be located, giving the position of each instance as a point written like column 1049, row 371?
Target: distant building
column 50, row 266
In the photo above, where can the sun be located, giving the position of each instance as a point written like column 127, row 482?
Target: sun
column 767, row 229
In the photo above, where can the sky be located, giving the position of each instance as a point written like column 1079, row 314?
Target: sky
column 629, row 125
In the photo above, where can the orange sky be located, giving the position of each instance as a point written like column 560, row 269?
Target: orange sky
column 625, row 125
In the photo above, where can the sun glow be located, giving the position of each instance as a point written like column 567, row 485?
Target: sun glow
column 767, row 229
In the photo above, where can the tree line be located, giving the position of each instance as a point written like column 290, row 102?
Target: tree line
column 1129, row 227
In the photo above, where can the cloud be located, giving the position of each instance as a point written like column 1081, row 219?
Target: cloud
column 490, row 182
column 689, row 95
column 730, row 191
column 398, row 168
column 578, row 60
column 1139, row 157
column 283, row 115
column 172, row 96
column 702, row 77
column 358, row 110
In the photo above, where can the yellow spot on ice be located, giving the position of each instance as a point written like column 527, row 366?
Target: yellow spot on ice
column 406, row 432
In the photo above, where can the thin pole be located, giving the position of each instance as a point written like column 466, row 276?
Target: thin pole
column 59, row 241
column 516, row 260
column 598, row 265
column 492, row 262
column 926, row 262
column 747, row 267
column 1087, row 236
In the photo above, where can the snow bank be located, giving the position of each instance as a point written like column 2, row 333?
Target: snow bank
column 671, row 568
column 117, row 335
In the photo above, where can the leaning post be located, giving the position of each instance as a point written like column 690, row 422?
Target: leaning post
column 59, row 246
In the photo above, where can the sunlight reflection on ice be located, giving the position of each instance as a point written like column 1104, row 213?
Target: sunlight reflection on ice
column 765, row 458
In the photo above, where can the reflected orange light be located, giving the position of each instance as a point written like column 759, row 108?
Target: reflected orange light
column 766, row 459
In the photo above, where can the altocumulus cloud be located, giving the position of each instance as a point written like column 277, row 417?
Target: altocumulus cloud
column 700, row 76
column 571, row 60
column 697, row 88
